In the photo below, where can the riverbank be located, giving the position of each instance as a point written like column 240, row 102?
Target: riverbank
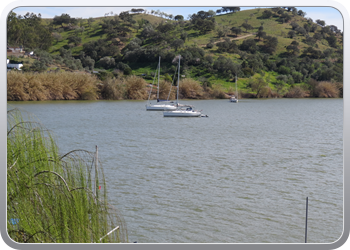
column 29, row 86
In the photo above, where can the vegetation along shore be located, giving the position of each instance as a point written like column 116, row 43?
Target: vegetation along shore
column 55, row 198
column 274, row 52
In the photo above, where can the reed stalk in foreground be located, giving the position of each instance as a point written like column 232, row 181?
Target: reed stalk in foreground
column 53, row 198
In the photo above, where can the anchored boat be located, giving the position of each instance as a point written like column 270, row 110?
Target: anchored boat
column 161, row 105
column 234, row 98
column 181, row 109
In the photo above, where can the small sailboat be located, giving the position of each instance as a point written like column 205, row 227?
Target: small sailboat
column 182, row 110
column 234, row 98
column 161, row 105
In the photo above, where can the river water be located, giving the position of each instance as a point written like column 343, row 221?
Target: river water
column 241, row 175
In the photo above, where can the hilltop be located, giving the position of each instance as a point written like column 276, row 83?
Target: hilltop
column 274, row 52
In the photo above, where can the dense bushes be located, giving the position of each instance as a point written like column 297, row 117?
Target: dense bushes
column 190, row 89
column 135, row 88
column 112, row 89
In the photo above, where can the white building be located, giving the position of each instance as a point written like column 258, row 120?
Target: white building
column 14, row 65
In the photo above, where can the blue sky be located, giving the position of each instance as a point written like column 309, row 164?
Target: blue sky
column 330, row 15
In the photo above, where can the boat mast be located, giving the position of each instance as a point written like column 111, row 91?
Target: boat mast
column 158, row 80
column 236, row 88
column 178, row 83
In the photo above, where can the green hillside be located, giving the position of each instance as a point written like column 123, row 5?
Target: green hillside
column 277, row 47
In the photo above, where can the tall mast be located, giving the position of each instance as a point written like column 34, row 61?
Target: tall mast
column 158, row 80
column 178, row 82
column 236, row 88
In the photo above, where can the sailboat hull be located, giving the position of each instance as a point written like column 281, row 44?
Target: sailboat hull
column 160, row 107
column 182, row 113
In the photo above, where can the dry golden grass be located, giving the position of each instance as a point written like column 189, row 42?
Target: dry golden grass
column 164, row 89
column 190, row 89
column 296, row 92
column 217, row 91
column 113, row 89
column 327, row 89
column 29, row 86
column 135, row 88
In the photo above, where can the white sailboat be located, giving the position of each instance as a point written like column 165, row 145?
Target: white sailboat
column 234, row 98
column 160, row 105
column 182, row 109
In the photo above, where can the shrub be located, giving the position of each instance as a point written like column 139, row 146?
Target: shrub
column 164, row 90
column 327, row 89
column 107, row 62
column 135, row 88
column 113, row 89
column 190, row 88
column 210, row 45
column 296, row 92
column 217, row 91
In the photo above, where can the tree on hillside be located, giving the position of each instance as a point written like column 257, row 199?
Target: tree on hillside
column 301, row 30
column 74, row 39
column 227, row 46
column 236, row 30
column 332, row 41
column 178, row 18
column 178, row 43
column 137, row 10
column 293, row 48
column 203, row 21
column 148, row 31
column 107, row 62
column 249, row 45
column 165, row 27
column 247, row 27
column 260, row 34
column 64, row 19
column 266, row 14
column 90, row 21
column 301, row 13
column 270, row 44
column 28, row 31
column 230, row 9
column 222, row 31
column 320, row 22
column 57, row 37
column 126, row 17
column 291, row 34
column 205, row 25
column 257, row 85
column 184, row 36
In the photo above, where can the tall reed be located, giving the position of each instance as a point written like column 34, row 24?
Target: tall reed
column 190, row 89
column 136, row 88
column 113, row 89
column 217, row 91
column 53, row 198
column 28, row 86
column 327, row 89
column 296, row 92
column 166, row 90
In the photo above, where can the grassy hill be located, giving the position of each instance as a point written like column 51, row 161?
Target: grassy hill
column 132, row 43
column 271, row 27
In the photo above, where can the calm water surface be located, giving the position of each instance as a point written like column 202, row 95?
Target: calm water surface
column 240, row 176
